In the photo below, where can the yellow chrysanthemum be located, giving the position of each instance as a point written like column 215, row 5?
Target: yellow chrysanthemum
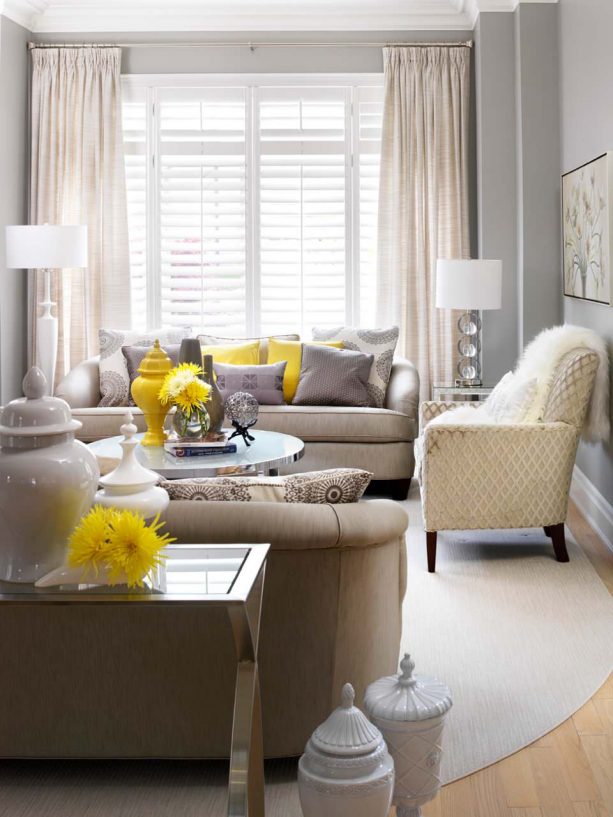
column 182, row 387
column 134, row 547
column 89, row 544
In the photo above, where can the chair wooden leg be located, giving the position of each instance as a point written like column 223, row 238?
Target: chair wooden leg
column 559, row 543
column 431, row 545
column 547, row 530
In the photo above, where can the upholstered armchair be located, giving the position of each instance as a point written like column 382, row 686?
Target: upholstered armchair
column 476, row 477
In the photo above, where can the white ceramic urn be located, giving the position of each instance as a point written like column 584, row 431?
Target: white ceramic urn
column 410, row 711
column 131, row 486
column 346, row 770
column 47, row 481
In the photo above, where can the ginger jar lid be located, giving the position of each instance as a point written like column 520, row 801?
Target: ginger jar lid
column 407, row 697
column 156, row 361
column 35, row 414
column 347, row 731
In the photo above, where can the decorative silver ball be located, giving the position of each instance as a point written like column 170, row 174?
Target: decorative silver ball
column 242, row 409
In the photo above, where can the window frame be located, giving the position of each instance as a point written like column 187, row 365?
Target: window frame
column 150, row 84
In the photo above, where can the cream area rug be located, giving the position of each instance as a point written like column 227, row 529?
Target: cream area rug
column 522, row 640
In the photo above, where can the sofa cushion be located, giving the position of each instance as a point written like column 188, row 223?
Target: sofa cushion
column 216, row 340
column 378, row 342
column 114, row 377
column 332, row 487
column 264, row 382
column 235, row 354
column 337, row 423
column 291, row 351
column 333, row 377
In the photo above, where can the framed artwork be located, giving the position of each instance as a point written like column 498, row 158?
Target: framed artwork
column 587, row 230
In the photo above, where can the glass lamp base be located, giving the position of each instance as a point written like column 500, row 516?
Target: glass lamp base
column 469, row 347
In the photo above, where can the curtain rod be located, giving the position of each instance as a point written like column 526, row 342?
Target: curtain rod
column 251, row 45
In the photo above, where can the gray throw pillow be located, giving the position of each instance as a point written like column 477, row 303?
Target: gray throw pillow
column 264, row 382
column 333, row 377
column 134, row 357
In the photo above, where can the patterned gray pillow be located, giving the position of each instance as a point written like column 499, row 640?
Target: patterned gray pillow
column 379, row 342
column 265, row 383
column 335, row 486
column 134, row 357
column 114, row 377
column 333, row 377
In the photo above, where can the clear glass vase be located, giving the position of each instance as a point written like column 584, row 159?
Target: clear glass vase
column 191, row 427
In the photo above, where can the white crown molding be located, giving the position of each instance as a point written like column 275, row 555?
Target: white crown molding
column 95, row 16
column 24, row 12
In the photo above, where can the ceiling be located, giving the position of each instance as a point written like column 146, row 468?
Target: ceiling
column 249, row 15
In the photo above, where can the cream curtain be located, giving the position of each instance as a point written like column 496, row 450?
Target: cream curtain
column 78, row 177
column 423, row 199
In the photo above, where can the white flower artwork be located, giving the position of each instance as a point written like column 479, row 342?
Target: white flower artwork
column 587, row 231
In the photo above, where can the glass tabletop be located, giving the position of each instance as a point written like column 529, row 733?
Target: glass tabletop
column 270, row 449
column 189, row 573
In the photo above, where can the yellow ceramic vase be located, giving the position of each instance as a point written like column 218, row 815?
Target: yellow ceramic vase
column 145, row 390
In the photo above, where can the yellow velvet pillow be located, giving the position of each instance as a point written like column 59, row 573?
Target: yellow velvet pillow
column 239, row 354
column 291, row 350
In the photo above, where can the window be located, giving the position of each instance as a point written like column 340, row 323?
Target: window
column 252, row 202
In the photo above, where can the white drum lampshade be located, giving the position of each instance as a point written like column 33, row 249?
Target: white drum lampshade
column 46, row 247
column 469, row 285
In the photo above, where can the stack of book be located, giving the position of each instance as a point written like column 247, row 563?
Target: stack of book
column 213, row 445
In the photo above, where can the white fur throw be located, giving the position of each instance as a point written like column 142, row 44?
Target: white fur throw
column 540, row 360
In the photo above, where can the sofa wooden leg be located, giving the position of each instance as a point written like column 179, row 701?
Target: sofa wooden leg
column 559, row 543
column 431, row 545
column 547, row 530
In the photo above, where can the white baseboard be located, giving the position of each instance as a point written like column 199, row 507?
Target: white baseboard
column 592, row 504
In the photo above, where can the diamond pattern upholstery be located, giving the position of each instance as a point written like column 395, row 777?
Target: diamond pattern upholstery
column 506, row 476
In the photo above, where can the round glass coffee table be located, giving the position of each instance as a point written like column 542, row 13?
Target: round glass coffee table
column 265, row 455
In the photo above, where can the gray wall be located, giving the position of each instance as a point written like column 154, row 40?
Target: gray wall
column 586, row 99
column 13, row 201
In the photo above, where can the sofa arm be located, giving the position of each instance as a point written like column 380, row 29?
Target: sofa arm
column 403, row 388
column 430, row 409
column 81, row 386
column 496, row 476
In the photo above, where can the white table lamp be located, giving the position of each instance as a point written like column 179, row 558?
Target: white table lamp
column 469, row 285
column 46, row 247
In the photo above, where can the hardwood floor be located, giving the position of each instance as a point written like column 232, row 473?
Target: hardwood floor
column 567, row 773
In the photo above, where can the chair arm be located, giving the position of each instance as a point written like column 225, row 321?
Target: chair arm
column 81, row 386
column 403, row 388
column 496, row 476
column 429, row 409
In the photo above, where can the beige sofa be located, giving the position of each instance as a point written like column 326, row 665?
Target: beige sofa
column 144, row 682
column 379, row 440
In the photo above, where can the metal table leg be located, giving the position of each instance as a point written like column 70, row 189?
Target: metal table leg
column 246, row 783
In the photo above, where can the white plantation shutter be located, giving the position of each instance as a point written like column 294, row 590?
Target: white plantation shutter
column 202, row 188
column 303, row 188
column 252, row 208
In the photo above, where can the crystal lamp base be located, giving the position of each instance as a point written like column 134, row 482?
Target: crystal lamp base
column 469, row 349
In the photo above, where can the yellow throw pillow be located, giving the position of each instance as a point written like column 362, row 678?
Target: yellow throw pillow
column 239, row 354
column 291, row 350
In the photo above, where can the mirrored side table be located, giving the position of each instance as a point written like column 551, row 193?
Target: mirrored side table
column 449, row 392
column 227, row 577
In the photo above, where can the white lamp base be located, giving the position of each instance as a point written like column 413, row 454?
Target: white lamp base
column 46, row 336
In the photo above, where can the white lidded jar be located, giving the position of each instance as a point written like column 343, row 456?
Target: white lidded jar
column 131, row 486
column 410, row 711
column 346, row 770
column 47, row 481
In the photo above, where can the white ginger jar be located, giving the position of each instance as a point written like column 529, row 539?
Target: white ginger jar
column 47, row 481
column 131, row 486
column 410, row 711
column 346, row 770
